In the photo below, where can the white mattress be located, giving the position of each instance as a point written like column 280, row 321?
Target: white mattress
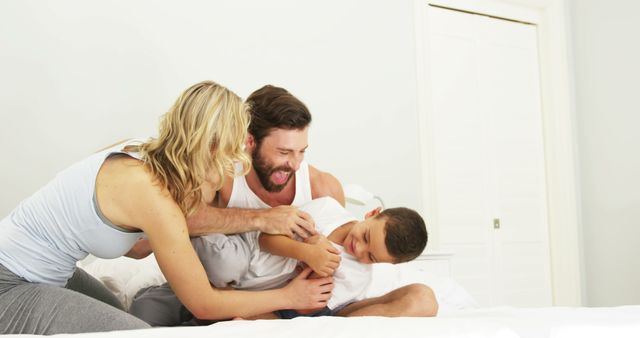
column 493, row 322
column 458, row 314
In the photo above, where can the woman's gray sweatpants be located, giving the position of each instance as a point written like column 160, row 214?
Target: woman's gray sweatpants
column 84, row 305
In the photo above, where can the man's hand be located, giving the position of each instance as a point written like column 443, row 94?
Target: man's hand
column 286, row 220
column 322, row 257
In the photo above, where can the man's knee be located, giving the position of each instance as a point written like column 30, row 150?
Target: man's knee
column 420, row 300
column 86, row 284
column 159, row 306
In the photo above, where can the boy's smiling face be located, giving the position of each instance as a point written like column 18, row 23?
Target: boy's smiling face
column 366, row 243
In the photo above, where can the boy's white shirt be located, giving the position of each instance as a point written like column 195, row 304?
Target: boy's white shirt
column 350, row 279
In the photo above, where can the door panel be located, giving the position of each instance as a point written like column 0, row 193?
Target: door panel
column 488, row 155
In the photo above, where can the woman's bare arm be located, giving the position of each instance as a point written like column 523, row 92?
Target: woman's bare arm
column 138, row 202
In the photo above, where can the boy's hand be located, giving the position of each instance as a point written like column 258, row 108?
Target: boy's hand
column 322, row 257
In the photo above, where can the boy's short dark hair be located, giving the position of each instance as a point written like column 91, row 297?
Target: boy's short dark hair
column 274, row 107
column 406, row 233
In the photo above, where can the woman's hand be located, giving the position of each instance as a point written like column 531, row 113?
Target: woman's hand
column 307, row 293
column 321, row 256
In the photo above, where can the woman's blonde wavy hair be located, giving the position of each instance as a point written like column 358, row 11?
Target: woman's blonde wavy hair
column 204, row 132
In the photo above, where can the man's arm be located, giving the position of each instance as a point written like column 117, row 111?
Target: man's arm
column 324, row 184
column 213, row 216
column 285, row 220
column 208, row 219
column 321, row 256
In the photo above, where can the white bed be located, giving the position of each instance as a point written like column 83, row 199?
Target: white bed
column 619, row 322
column 458, row 317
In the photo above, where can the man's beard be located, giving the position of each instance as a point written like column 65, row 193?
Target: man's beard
column 264, row 171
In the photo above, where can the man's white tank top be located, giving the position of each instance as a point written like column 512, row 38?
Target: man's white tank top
column 243, row 197
column 42, row 239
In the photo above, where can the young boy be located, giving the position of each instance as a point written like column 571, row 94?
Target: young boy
column 256, row 261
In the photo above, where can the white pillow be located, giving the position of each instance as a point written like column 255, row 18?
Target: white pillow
column 451, row 296
column 124, row 276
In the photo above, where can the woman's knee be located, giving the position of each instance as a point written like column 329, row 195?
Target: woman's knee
column 29, row 305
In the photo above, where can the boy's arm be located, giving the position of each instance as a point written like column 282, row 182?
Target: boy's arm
column 321, row 257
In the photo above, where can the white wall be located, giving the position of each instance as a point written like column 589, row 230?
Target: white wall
column 76, row 75
column 606, row 54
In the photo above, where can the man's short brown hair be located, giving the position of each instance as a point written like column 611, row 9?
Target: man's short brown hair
column 273, row 107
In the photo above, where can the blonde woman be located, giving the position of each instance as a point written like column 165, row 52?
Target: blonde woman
column 105, row 203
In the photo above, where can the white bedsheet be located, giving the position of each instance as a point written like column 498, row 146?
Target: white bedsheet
column 616, row 322
column 125, row 276
column 458, row 316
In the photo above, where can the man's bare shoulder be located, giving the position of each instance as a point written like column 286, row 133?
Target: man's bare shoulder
column 325, row 184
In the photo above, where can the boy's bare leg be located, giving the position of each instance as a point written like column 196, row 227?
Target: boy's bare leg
column 268, row 315
column 414, row 300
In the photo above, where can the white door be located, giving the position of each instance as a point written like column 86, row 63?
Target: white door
column 488, row 156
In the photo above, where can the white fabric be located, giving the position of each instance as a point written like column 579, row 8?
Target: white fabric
column 450, row 294
column 125, row 276
column 43, row 238
column 265, row 271
column 550, row 322
column 350, row 279
column 243, row 197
